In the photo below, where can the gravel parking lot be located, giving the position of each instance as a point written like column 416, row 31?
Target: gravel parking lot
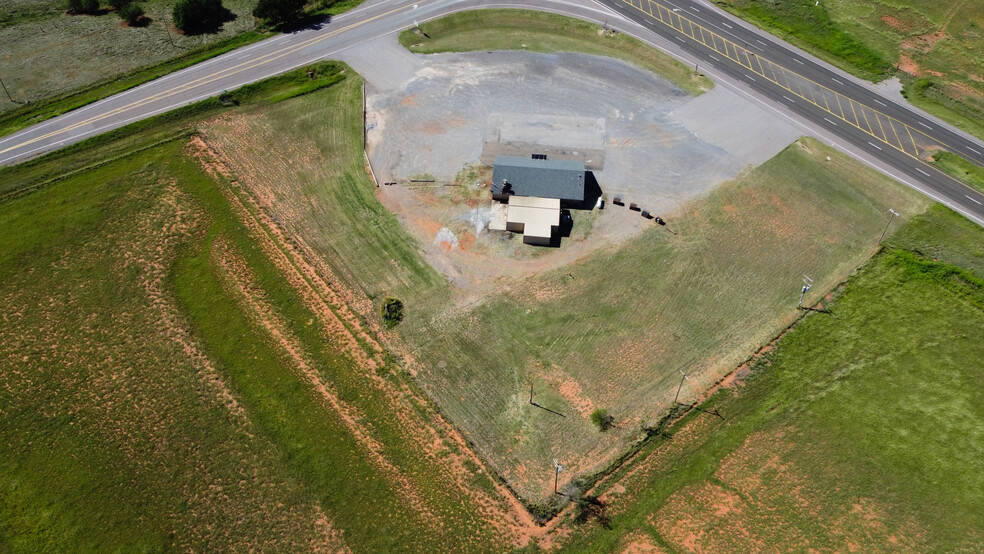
column 660, row 147
column 441, row 116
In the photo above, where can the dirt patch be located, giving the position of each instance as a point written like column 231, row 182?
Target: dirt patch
column 923, row 43
column 895, row 23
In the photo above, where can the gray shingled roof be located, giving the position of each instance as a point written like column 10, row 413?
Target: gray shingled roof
column 562, row 179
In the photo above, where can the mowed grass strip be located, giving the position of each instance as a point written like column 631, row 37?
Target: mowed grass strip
column 117, row 434
column 614, row 330
column 859, row 430
column 960, row 168
column 501, row 29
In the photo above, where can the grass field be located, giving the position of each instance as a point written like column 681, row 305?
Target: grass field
column 544, row 32
column 175, row 376
column 934, row 46
column 860, row 430
column 700, row 301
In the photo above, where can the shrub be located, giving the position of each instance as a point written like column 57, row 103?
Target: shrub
column 132, row 13
column 278, row 12
column 82, row 6
column 602, row 419
column 197, row 16
column 591, row 507
column 120, row 4
column 392, row 311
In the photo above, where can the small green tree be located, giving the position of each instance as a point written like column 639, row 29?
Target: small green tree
column 120, row 4
column 82, row 6
column 392, row 311
column 602, row 419
column 198, row 16
column 279, row 12
column 132, row 13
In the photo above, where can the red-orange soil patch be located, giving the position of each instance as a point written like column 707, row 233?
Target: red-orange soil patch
column 441, row 443
column 895, row 23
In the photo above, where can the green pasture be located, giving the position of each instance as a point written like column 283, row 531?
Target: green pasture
column 861, row 429
column 112, row 437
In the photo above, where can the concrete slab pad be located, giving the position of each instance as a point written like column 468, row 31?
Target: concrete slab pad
column 384, row 63
column 746, row 131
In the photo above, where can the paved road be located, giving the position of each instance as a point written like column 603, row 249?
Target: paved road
column 821, row 100
column 830, row 100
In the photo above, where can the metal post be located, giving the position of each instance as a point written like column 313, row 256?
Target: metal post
column 531, row 392
column 887, row 225
column 807, row 284
column 557, row 475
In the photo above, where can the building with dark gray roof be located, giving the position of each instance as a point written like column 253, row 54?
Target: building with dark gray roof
column 563, row 179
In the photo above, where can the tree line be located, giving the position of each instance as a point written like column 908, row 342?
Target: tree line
column 197, row 16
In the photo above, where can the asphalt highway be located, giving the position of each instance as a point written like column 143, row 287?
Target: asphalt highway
column 879, row 127
column 820, row 99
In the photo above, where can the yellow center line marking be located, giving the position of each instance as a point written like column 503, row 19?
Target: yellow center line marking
column 857, row 122
column 914, row 147
column 871, row 130
column 882, row 127
column 713, row 45
column 239, row 68
column 826, row 103
column 896, row 134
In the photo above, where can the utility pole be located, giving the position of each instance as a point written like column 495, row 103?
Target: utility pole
column 807, row 285
column 166, row 30
column 557, row 475
column 887, row 225
column 8, row 92
column 675, row 398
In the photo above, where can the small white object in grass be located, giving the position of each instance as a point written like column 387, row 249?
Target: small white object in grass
column 828, row 158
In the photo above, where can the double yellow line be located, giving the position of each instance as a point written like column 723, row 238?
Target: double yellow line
column 244, row 66
column 907, row 139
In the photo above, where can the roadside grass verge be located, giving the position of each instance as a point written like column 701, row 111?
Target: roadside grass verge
column 960, row 168
column 858, row 430
column 805, row 24
column 505, row 29
column 146, row 402
column 46, row 108
column 699, row 301
column 161, row 128
column 58, row 54
column 936, row 97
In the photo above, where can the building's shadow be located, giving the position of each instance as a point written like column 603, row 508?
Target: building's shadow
column 592, row 191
